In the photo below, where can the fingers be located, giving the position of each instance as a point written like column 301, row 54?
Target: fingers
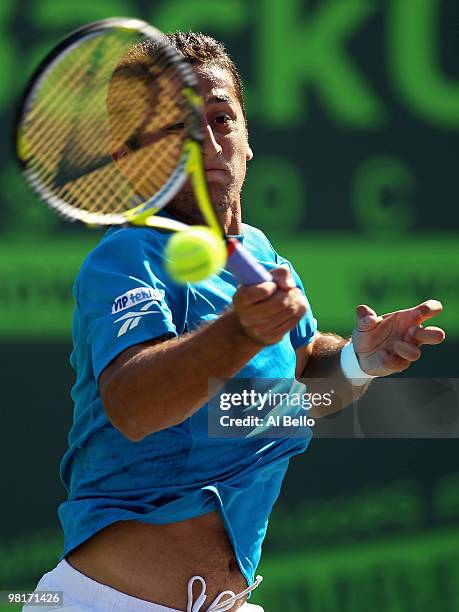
column 266, row 315
column 283, row 278
column 392, row 362
column 398, row 335
column 252, row 294
column 416, row 336
column 421, row 312
column 407, row 351
column 427, row 310
column 404, row 352
column 271, row 332
column 280, row 302
column 366, row 318
column 271, row 319
column 280, row 330
column 425, row 335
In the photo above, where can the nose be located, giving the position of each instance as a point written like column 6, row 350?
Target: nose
column 210, row 146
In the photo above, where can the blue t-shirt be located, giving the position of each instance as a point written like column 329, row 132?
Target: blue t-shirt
column 124, row 297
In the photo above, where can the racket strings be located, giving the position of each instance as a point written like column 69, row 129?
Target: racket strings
column 154, row 111
column 57, row 92
column 58, row 133
column 71, row 135
column 76, row 118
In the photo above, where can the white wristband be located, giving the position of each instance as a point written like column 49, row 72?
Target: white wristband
column 351, row 368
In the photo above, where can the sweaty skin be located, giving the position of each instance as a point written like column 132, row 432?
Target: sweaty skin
column 155, row 562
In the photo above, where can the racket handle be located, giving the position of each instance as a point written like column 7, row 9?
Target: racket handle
column 243, row 266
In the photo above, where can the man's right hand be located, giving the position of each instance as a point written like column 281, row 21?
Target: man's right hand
column 262, row 315
column 267, row 311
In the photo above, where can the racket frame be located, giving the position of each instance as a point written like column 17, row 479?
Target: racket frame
column 240, row 262
column 189, row 162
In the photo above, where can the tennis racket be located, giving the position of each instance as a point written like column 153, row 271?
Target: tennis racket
column 96, row 133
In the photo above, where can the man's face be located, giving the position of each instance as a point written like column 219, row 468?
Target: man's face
column 225, row 151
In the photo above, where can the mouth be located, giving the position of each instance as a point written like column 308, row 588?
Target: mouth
column 218, row 176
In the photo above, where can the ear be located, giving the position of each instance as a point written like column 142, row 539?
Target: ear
column 248, row 153
column 119, row 153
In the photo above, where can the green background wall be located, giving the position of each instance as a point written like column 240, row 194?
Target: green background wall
column 354, row 118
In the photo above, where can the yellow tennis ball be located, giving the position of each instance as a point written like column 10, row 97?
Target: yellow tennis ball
column 194, row 254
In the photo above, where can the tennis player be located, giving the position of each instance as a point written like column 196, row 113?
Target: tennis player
column 160, row 516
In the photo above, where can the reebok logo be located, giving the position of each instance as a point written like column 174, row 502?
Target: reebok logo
column 135, row 296
column 132, row 319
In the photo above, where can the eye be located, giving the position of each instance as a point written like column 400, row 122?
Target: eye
column 176, row 127
column 222, row 119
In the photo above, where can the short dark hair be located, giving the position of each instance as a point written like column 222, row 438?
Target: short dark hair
column 198, row 48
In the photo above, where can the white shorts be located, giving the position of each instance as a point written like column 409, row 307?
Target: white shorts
column 82, row 594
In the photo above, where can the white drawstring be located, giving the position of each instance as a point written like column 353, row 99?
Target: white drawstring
column 216, row 604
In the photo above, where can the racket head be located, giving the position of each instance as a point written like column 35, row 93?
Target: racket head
column 103, row 127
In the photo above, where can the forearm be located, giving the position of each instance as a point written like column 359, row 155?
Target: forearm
column 161, row 385
column 324, row 364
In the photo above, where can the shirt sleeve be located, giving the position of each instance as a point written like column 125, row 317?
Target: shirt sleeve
column 122, row 299
column 305, row 330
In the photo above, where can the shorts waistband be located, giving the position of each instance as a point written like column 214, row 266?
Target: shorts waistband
column 80, row 588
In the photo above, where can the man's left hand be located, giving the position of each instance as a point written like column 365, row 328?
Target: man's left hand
column 391, row 342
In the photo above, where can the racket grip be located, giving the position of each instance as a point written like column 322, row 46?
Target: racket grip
column 243, row 266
